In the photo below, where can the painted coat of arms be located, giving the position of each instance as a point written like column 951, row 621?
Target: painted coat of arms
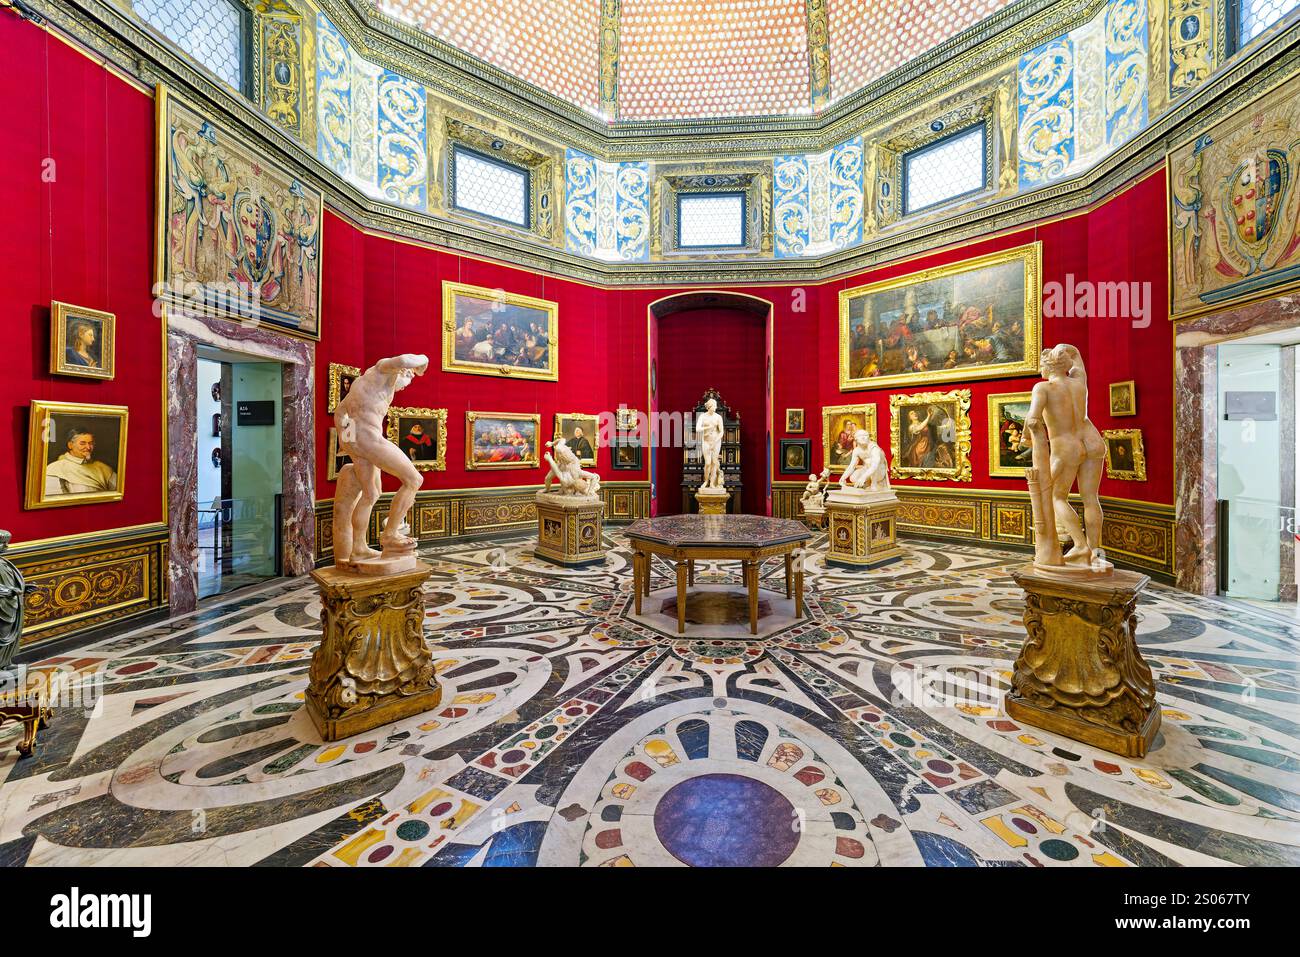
column 1234, row 209
column 239, row 237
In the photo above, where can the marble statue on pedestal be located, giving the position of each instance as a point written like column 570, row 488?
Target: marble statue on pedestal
column 1066, row 447
column 12, row 592
column 814, row 495
column 360, row 418
column 567, row 470
column 867, row 469
column 709, row 428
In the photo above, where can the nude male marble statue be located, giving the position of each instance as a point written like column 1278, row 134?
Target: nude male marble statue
column 567, row 470
column 1066, row 446
column 709, row 428
column 360, row 419
column 867, row 468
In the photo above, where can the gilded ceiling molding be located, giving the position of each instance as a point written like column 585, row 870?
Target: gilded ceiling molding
column 610, row 25
column 819, row 53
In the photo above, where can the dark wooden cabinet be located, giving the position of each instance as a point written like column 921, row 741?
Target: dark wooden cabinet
column 693, row 458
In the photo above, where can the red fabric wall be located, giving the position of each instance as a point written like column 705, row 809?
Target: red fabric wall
column 723, row 349
column 76, row 197
column 1103, row 245
column 86, row 234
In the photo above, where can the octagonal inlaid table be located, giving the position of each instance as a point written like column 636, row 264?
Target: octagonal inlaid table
column 749, row 539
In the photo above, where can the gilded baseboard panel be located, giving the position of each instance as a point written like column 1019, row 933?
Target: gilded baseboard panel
column 85, row 581
column 468, row 512
column 1135, row 534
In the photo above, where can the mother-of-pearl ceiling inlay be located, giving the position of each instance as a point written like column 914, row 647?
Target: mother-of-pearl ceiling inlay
column 694, row 59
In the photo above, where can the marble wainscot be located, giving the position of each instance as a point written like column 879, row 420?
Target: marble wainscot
column 570, row 519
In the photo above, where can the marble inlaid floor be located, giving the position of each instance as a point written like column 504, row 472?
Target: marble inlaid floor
column 571, row 734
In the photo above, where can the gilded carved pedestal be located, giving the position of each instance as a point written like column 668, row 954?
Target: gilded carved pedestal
column 1079, row 673
column 712, row 501
column 570, row 529
column 862, row 532
column 372, row 666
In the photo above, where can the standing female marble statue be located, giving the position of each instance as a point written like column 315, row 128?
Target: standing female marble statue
column 709, row 428
column 360, row 419
column 1066, row 445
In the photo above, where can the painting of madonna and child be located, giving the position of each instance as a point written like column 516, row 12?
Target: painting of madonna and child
column 976, row 319
column 492, row 332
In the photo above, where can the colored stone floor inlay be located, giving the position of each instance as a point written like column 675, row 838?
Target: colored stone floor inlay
column 868, row 733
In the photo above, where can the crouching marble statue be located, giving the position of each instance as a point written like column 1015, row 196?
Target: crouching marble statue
column 570, row 520
column 712, row 495
column 372, row 666
column 862, row 513
column 1079, row 672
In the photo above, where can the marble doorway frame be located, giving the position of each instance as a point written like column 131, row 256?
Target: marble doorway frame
column 1196, row 425
column 297, row 358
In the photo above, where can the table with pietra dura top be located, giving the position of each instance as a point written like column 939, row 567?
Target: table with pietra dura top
column 749, row 539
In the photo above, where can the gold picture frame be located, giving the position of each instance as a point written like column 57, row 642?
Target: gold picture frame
column 338, row 375
column 466, row 349
column 1007, row 411
column 590, row 424
column 476, row 457
column 1123, row 399
column 400, row 435
column 794, row 421
column 928, row 450
column 835, row 420
column 50, row 431
column 332, row 464
column 1125, row 457
column 947, row 348
column 626, row 419
column 66, row 322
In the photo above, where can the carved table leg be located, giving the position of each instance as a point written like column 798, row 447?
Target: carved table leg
column 681, row 597
column 788, row 562
column 752, row 568
column 638, row 570
column 690, row 571
column 798, row 588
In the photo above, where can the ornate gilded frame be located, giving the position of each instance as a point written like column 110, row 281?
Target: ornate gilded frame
column 595, row 434
column 337, row 372
column 530, row 463
column 452, row 290
column 1139, row 471
column 674, row 180
column 332, row 455
column 996, row 401
column 1132, row 398
column 394, row 433
column 794, row 420
column 60, row 312
column 865, row 409
column 961, row 470
column 38, row 427
column 1029, row 255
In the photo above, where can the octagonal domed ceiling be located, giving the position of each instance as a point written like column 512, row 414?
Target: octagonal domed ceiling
column 694, row 59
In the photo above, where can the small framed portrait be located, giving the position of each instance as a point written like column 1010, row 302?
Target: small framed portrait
column 796, row 456
column 341, row 379
column 493, row 332
column 1007, row 413
column 75, row 454
column 930, row 436
column 334, row 460
column 626, row 419
column 1125, row 458
column 839, row 423
column 794, row 420
column 581, row 433
column 501, row 440
column 626, row 453
column 1123, row 398
column 82, row 341
column 421, row 434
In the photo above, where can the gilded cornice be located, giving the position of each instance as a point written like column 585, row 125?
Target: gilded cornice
column 109, row 32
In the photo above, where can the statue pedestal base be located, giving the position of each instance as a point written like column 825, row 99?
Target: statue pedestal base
column 570, row 529
column 815, row 516
column 372, row 666
column 712, row 501
column 1079, row 673
column 861, row 528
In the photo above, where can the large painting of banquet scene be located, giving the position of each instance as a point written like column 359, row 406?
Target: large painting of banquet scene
column 975, row 319
column 491, row 332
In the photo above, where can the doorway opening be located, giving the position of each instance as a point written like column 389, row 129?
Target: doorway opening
column 239, row 436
